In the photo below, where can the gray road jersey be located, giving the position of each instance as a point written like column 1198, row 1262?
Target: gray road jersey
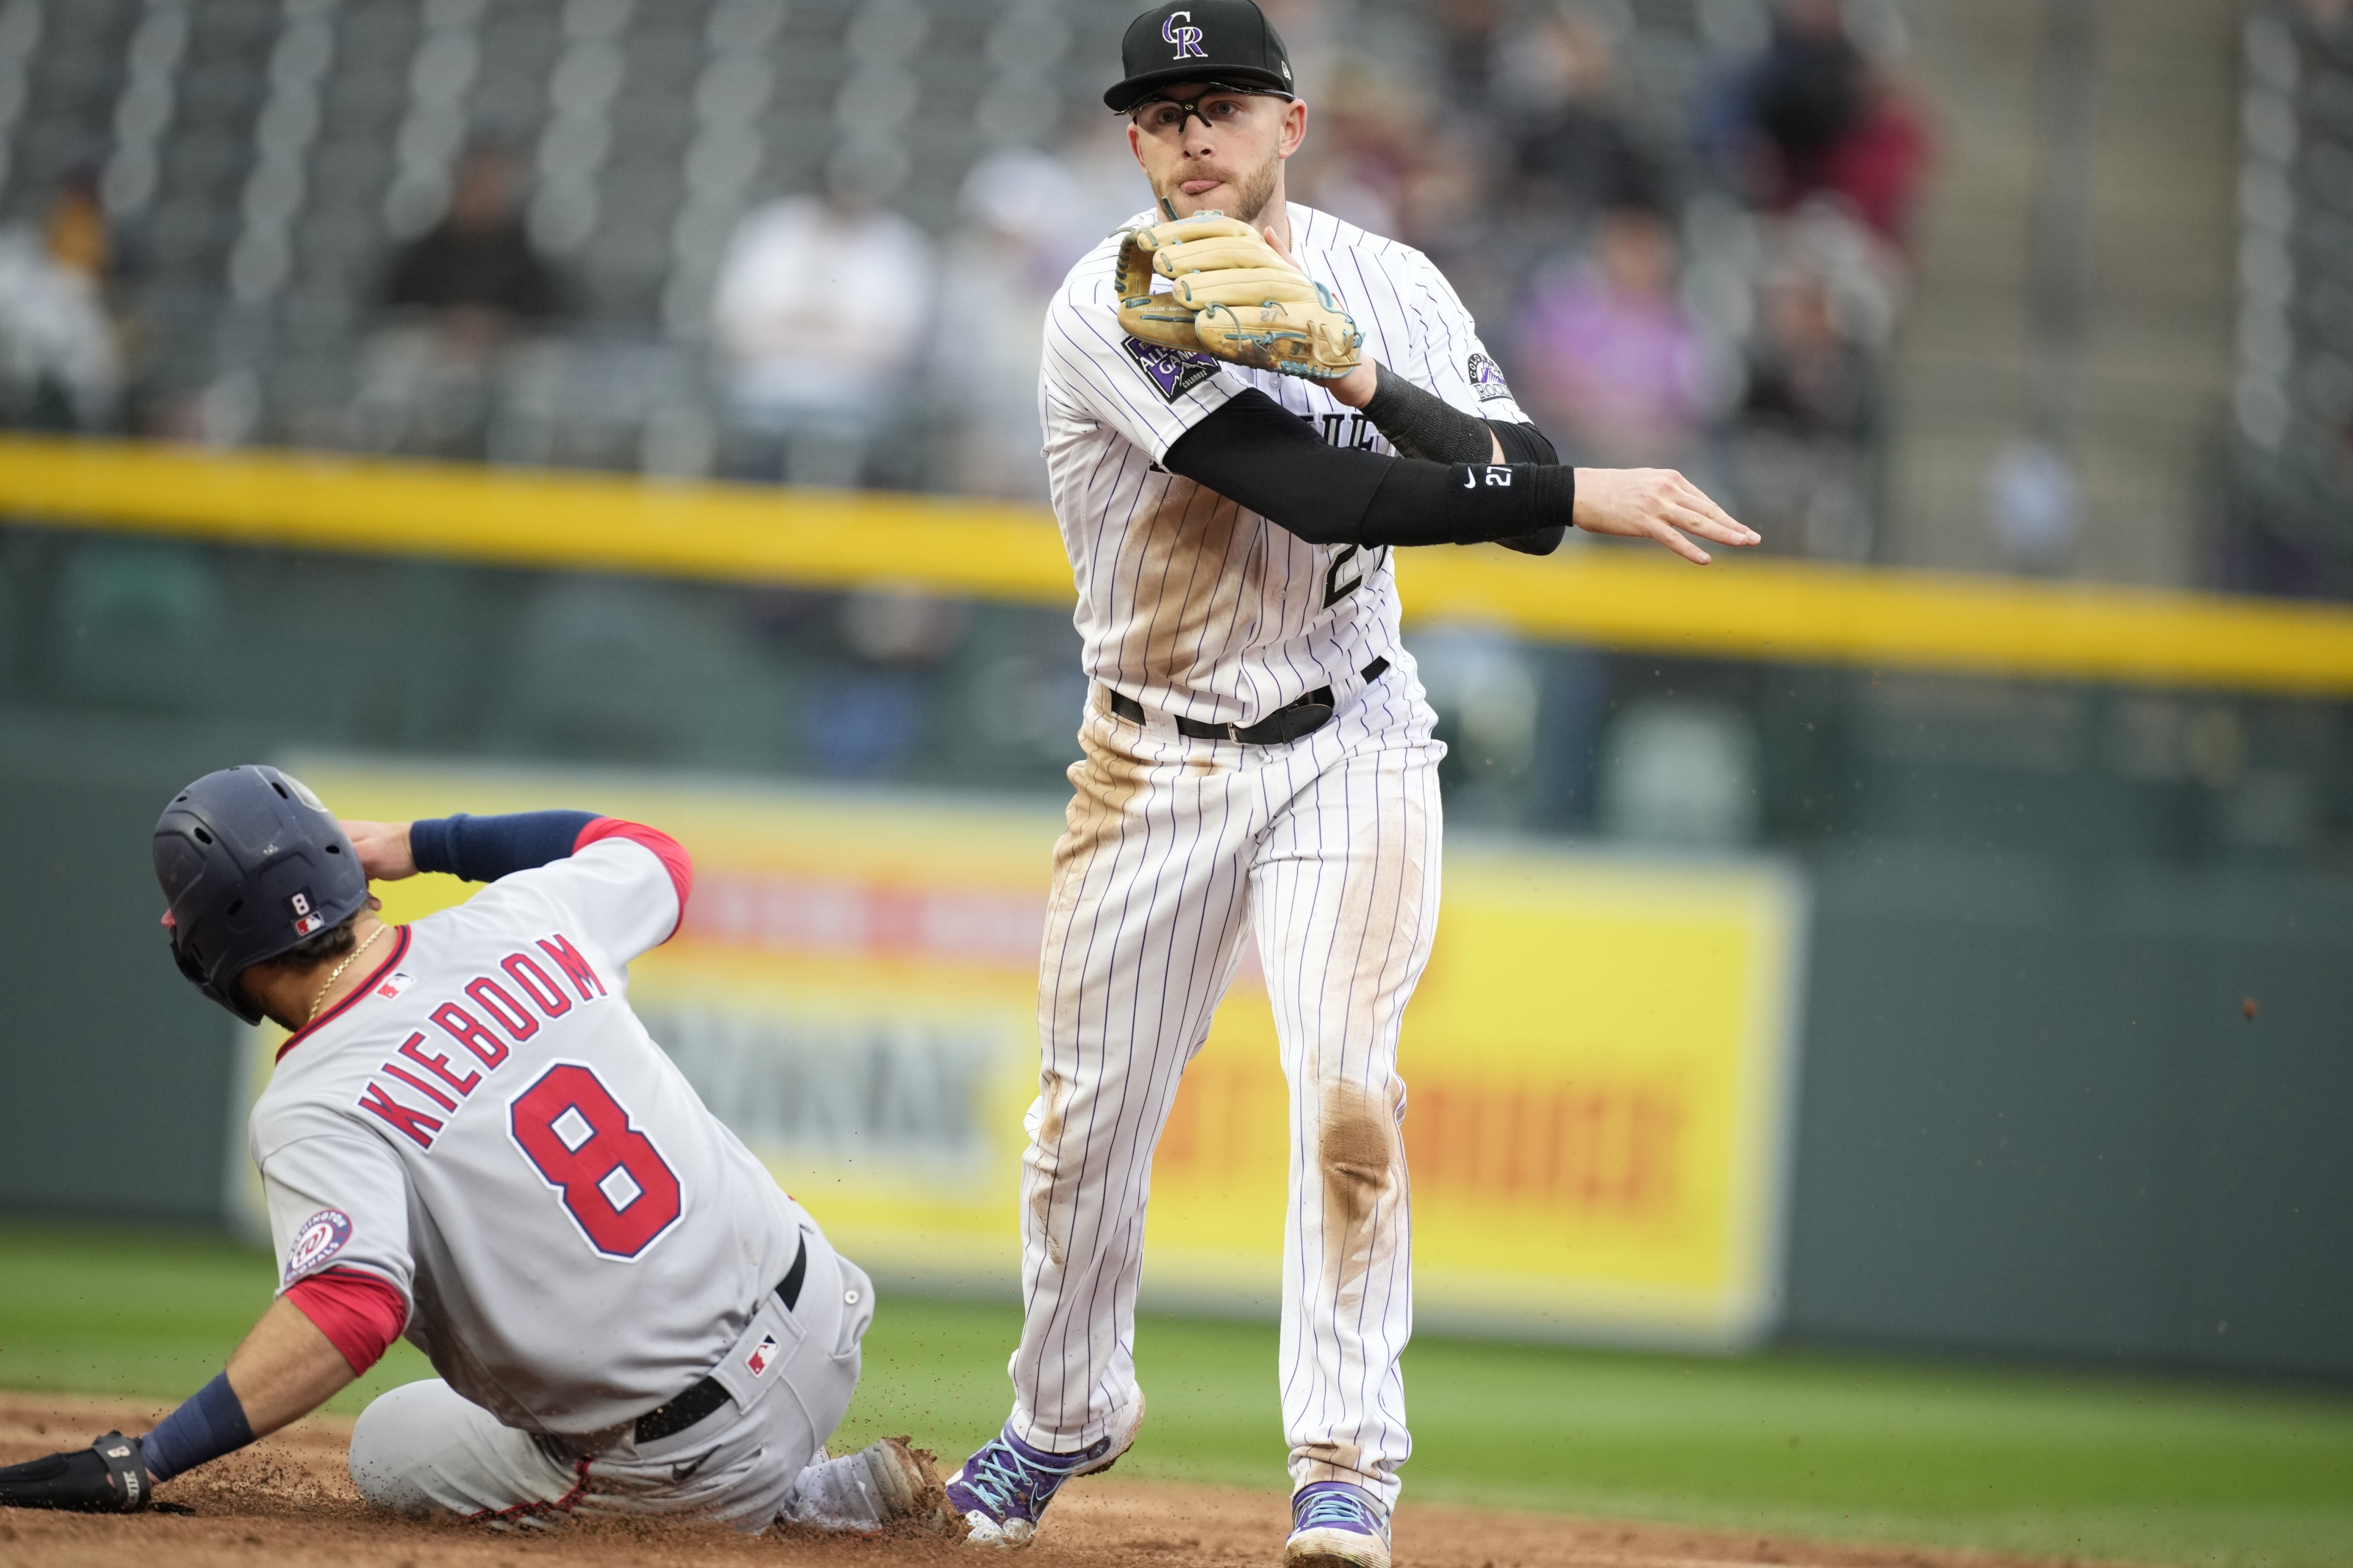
column 487, row 1126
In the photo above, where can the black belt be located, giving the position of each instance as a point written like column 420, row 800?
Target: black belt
column 1288, row 722
column 667, row 1420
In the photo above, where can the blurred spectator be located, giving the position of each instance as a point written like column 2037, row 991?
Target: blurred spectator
column 1357, row 165
column 1575, row 153
column 1804, row 98
column 1806, row 376
column 1445, row 205
column 477, row 268
column 1800, row 451
column 1608, row 357
column 1108, row 186
column 820, row 310
column 1876, row 167
column 1815, row 116
column 456, row 298
column 2033, row 505
column 60, row 364
column 1470, row 29
column 1019, row 240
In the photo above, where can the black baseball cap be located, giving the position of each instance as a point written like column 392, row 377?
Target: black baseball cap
column 1200, row 40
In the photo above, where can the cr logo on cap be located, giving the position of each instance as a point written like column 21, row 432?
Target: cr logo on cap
column 1188, row 39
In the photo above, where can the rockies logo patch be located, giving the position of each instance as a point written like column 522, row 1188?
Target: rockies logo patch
column 1486, row 379
column 1173, row 371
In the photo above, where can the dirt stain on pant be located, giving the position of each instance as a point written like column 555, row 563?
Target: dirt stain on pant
column 1332, row 1461
column 1045, row 1160
column 1105, row 782
column 1358, row 1154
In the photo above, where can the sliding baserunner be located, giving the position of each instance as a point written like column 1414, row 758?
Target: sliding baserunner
column 470, row 1139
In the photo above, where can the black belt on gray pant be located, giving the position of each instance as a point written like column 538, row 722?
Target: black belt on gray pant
column 668, row 1420
column 1288, row 722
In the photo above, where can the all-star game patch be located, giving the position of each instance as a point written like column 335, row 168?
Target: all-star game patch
column 1174, row 370
column 1487, row 379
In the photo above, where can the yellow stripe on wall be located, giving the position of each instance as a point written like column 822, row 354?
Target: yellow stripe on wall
column 1764, row 609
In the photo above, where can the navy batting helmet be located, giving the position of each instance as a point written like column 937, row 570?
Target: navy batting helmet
column 251, row 864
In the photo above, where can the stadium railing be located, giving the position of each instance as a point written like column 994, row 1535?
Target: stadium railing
column 1770, row 610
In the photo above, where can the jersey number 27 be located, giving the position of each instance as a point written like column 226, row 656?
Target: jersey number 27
column 620, row 1190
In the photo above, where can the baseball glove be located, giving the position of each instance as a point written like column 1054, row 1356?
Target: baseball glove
column 1233, row 297
column 108, row 1477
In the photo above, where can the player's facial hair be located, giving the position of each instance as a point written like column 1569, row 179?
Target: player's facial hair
column 1256, row 188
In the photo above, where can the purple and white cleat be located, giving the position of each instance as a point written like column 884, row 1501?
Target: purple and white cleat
column 1002, row 1490
column 1335, row 1525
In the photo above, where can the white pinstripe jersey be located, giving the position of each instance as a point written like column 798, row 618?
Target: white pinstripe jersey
column 1186, row 602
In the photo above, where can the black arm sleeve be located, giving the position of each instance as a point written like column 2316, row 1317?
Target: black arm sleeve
column 1526, row 444
column 1420, row 424
column 1523, row 442
column 1255, row 452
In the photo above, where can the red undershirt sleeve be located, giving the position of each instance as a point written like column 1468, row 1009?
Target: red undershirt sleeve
column 672, row 854
column 360, row 1314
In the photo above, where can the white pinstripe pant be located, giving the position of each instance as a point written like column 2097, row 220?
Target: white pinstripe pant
column 1329, row 847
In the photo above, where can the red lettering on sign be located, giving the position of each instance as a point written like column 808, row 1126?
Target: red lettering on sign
column 461, row 1026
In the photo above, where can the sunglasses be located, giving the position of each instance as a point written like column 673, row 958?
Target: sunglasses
column 1165, row 116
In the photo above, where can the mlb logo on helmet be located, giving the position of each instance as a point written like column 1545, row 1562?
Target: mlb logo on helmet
column 1186, row 38
column 307, row 917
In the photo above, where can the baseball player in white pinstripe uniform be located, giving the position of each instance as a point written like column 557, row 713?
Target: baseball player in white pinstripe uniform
column 1258, row 756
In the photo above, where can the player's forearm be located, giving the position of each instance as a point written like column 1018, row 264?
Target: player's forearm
column 1422, row 425
column 1526, row 444
column 1254, row 452
column 286, row 1368
column 485, row 849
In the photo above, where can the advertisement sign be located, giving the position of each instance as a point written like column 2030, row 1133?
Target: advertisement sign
column 1597, row 1063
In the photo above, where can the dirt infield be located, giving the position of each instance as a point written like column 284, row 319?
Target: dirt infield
column 287, row 1500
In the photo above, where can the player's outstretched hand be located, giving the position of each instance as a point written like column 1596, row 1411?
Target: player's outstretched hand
column 1654, row 503
column 108, row 1477
column 384, row 849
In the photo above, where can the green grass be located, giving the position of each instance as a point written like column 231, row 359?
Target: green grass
column 2161, row 1471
